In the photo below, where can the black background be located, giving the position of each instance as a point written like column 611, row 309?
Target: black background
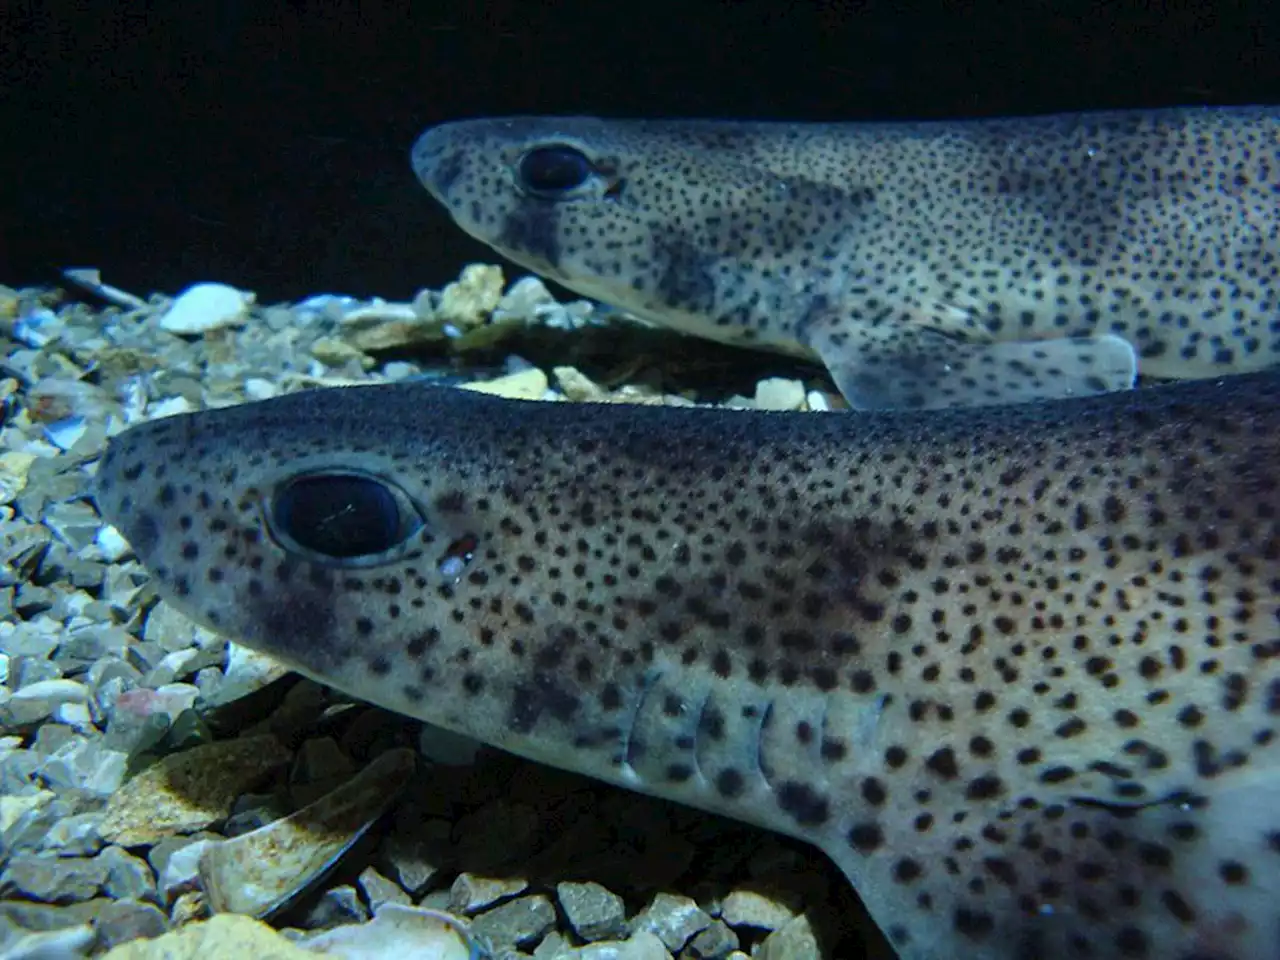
column 265, row 144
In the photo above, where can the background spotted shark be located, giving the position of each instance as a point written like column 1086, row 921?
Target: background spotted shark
column 925, row 264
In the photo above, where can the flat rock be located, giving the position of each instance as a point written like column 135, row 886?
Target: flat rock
column 226, row 935
column 188, row 791
column 528, row 384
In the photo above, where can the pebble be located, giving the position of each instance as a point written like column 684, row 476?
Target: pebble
column 51, row 879
column 712, row 942
column 528, row 384
column 173, row 632
column 471, row 894
column 794, row 940
column 642, row 946
column 335, row 907
column 180, row 872
column 577, row 386
column 378, row 890
column 399, row 931
column 594, row 912
column 128, row 877
column 470, row 299
column 39, row 699
column 126, row 919
column 225, row 935
column 776, row 393
column 62, row 944
column 417, row 850
column 203, row 307
column 74, row 836
column 675, row 919
column 519, row 922
column 746, row 908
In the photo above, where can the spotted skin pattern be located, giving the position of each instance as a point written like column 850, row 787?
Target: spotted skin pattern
column 1013, row 668
column 926, row 264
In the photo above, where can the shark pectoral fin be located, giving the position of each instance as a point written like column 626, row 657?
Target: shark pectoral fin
column 898, row 364
column 1189, row 875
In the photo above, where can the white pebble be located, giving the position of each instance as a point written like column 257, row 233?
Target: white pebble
column 168, row 407
column 62, row 691
column 74, row 715
column 206, row 306
column 112, row 544
column 817, row 400
column 777, row 393
column 65, row 433
column 256, row 388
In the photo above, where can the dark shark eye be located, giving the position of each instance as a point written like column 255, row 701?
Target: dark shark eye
column 548, row 171
column 342, row 516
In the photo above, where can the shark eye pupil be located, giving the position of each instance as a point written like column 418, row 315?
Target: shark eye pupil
column 553, row 170
column 340, row 516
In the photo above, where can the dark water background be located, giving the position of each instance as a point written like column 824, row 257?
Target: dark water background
column 264, row 143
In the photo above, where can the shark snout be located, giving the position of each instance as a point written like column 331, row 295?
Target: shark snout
column 437, row 160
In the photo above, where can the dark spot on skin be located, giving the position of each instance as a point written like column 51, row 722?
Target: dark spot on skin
column 452, row 502
column 943, row 763
column 729, row 783
column 533, row 228
column 143, row 533
column 907, row 870
column 974, row 924
column 866, row 838
column 807, row 807
column 686, row 281
column 544, row 695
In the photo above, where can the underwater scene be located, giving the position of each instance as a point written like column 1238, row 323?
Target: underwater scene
column 794, row 539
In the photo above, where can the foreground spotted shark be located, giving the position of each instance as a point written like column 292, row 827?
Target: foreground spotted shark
column 925, row 264
column 1013, row 668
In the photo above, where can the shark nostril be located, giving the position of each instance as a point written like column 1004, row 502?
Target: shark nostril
column 436, row 169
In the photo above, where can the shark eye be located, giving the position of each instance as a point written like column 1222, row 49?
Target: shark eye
column 550, row 171
column 341, row 516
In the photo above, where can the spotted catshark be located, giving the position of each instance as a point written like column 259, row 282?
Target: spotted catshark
column 925, row 264
column 1013, row 668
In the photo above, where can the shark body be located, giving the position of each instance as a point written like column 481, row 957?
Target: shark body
column 925, row 264
column 1015, row 669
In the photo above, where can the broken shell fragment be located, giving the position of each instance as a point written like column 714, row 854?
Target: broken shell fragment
column 259, row 872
